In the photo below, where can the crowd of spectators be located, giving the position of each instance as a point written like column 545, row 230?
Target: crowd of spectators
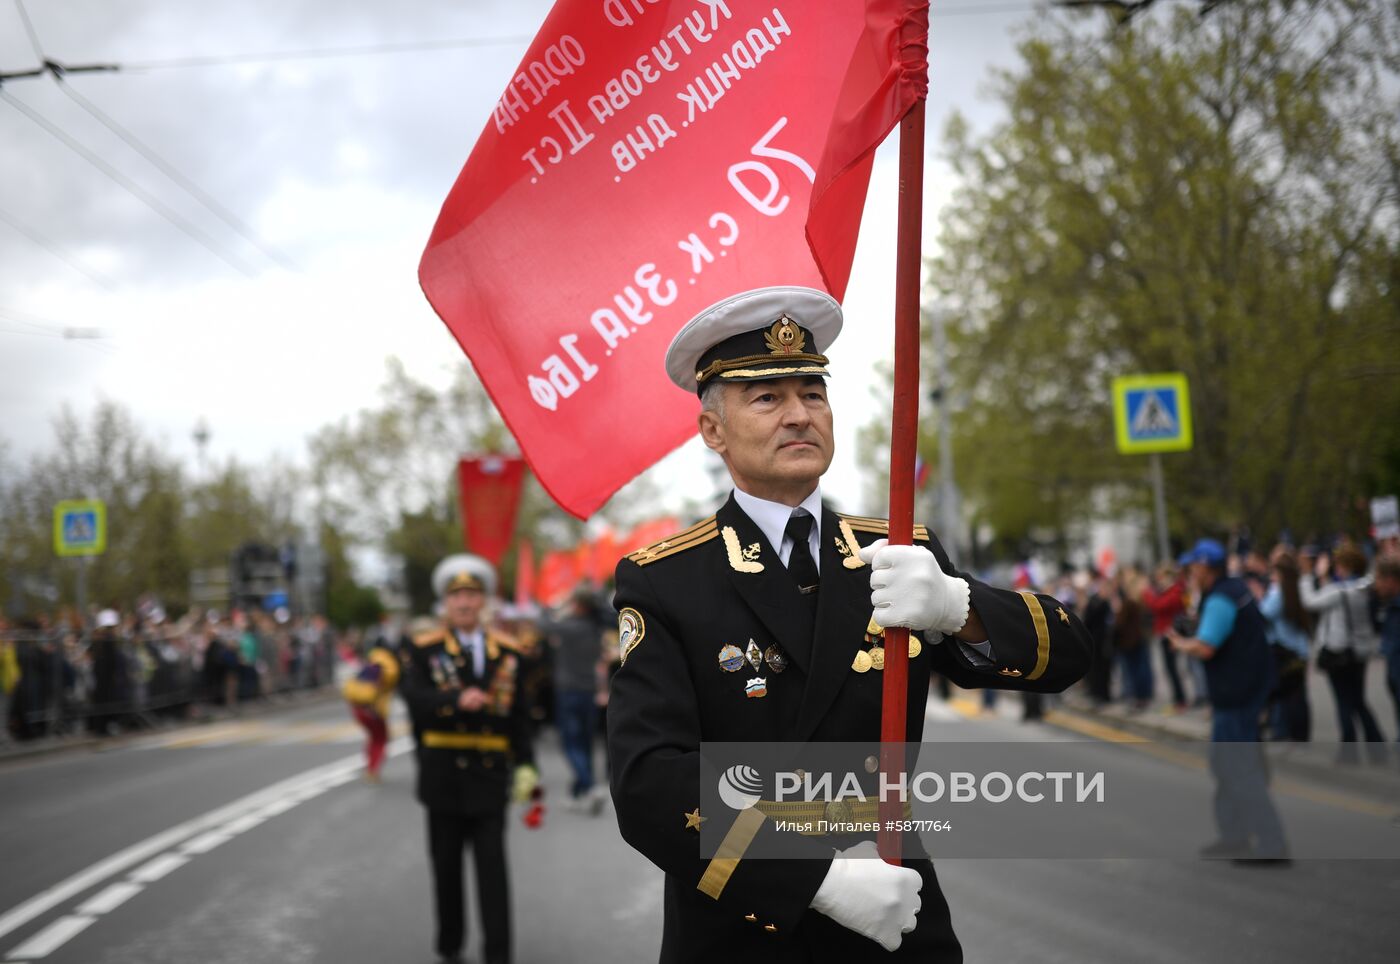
column 113, row 670
column 1333, row 611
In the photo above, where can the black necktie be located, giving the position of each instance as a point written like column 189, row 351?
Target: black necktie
column 800, row 563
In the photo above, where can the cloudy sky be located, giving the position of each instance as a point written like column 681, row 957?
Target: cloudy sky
column 335, row 166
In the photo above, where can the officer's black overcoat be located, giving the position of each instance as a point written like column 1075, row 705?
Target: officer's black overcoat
column 695, row 592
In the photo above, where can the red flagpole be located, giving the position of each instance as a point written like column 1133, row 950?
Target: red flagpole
column 903, row 439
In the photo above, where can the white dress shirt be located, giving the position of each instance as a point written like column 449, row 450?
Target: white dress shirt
column 772, row 519
column 474, row 643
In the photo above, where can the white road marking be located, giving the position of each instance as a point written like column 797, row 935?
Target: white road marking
column 313, row 780
column 205, row 842
column 158, row 868
column 281, row 806
column 50, row 938
column 113, row 897
column 246, row 822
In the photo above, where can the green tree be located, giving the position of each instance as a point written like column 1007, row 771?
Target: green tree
column 1217, row 197
column 106, row 457
column 388, row 475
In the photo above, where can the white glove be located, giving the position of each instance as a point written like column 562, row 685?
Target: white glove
column 909, row 589
column 864, row 894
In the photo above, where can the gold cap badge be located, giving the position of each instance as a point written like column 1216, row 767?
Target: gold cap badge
column 785, row 338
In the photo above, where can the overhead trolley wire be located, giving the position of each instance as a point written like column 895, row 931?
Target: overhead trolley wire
column 136, row 190
column 324, row 53
column 53, row 248
column 169, row 170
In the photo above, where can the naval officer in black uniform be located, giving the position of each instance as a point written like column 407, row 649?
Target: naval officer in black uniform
column 762, row 623
column 461, row 685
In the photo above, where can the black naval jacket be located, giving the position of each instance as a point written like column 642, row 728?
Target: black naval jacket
column 465, row 760
column 680, row 602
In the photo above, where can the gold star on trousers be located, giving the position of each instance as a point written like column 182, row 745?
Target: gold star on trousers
column 693, row 820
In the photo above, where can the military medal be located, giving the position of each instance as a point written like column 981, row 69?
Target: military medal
column 877, row 658
column 731, row 660
column 915, row 647
column 754, row 655
column 777, row 659
column 756, row 688
column 861, row 664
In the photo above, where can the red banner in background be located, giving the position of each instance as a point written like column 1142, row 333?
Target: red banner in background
column 559, row 575
column 646, row 160
column 490, row 493
column 591, row 562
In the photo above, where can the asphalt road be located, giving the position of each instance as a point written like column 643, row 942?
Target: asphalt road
column 258, row 842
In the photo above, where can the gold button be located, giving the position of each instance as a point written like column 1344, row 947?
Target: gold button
column 771, row 928
column 871, row 764
column 461, row 763
column 751, row 918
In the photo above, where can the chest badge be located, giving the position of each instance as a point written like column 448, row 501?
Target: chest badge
column 731, row 660
column 777, row 660
column 754, row 655
column 756, row 688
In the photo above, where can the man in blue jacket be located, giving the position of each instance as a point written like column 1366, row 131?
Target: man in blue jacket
column 1231, row 642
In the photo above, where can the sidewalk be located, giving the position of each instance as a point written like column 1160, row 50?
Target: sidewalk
column 11, row 749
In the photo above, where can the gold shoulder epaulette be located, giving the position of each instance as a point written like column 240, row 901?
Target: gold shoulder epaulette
column 504, row 640
column 702, row 531
column 430, row 638
column 861, row 523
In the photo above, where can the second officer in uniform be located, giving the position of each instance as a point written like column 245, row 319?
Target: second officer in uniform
column 461, row 684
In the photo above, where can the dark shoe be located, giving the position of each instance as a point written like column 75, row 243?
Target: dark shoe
column 1224, row 850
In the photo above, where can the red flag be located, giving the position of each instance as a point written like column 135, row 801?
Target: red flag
column 888, row 74
column 647, row 159
column 606, row 554
column 647, row 533
column 524, row 573
column 490, row 492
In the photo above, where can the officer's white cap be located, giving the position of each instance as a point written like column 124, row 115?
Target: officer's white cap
column 751, row 311
column 464, row 571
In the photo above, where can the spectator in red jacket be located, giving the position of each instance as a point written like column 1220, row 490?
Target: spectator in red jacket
column 1165, row 598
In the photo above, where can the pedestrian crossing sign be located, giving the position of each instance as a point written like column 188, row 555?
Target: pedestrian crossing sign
column 1152, row 413
column 80, row 527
